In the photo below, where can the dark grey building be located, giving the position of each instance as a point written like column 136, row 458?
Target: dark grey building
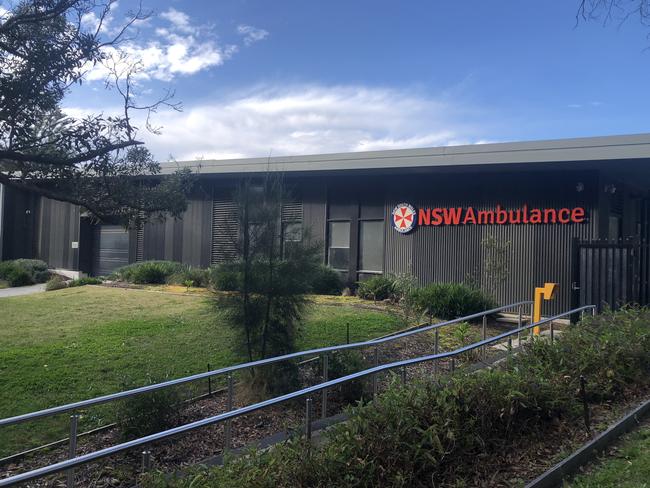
column 531, row 209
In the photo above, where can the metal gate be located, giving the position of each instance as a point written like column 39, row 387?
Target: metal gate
column 611, row 273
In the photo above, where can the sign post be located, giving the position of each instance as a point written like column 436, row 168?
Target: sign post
column 546, row 292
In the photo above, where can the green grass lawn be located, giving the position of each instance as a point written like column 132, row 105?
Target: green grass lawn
column 627, row 467
column 77, row 343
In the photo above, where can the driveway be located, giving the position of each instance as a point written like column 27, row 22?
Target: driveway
column 22, row 290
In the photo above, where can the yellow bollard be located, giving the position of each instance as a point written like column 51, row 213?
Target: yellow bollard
column 546, row 292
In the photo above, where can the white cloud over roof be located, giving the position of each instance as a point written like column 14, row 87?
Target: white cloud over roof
column 306, row 120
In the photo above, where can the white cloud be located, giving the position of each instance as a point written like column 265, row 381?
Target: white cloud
column 180, row 20
column 251, row 34
column 178, row 47
column 307, row 120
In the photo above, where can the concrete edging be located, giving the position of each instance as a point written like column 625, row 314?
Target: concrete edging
column 570, row 465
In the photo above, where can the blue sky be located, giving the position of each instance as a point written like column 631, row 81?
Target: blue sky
column 294, row 77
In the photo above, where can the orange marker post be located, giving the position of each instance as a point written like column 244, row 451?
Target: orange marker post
column 546, row 292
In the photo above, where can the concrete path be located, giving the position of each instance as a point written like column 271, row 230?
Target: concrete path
column 22, row 290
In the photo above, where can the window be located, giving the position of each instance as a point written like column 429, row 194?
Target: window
column 371, row 245
column 339, row 245
column 291, row 233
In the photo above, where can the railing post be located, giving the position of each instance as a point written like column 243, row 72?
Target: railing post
column 374, row 375
column 519, row 324
column 484, row 337
column 593, row 311
column 551, row 330
column 146, row 461
column 347, row 335
column 532, row 311
column 325, row 378
column 72, row 448
column 404, row 374
column 308, row 419
column 209, row 382
column 436, row 350
column 229, row 405
column 509, row 346
column 453, row 365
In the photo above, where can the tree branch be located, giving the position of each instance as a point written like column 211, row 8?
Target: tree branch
column 81, row 158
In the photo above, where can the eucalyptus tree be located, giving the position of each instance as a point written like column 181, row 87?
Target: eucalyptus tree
column 97, row 161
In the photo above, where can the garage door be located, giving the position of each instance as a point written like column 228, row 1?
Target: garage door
column 111, row 249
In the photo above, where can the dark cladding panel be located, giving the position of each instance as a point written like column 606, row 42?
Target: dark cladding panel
column 314, row 199
column 58, row 224
column 196, row 233
column 19, row 223
column 154, row 240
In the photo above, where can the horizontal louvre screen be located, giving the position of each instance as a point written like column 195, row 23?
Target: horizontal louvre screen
column 224, row 231
column 292, row 212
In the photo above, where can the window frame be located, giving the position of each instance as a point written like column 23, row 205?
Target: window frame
column 360, row 270
column 329, row 247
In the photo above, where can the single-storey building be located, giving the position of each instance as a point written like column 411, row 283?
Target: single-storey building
column 507, row 216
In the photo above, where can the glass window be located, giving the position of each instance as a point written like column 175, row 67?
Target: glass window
column 291, row 233
column 339, row 245
column 371, row 245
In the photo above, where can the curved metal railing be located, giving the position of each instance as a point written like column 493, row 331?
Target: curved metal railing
column 231, row 369
column 227, row 416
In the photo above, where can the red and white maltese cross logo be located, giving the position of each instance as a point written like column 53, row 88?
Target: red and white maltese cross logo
column 403, row 218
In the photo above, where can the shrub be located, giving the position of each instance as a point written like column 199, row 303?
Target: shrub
column 88, row 280
column 23, row 272
column 450, row 300
column 55, row 283
column 148, row 272
column 19, row 277
column 148, row 413
column 343, row 364
column 611, row 350
column 376, row 288
column 198, row 276
column 326, row 281
column 225, row 277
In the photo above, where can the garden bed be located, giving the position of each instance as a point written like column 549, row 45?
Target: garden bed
column 170, row 456
column 494, row 429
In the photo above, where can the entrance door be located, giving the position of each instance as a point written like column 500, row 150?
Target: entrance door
column 111, row 249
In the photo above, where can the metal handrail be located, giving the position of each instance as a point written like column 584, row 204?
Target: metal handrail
column 230, row 369
column 86, row 458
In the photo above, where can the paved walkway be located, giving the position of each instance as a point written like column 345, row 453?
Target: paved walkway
column 22, row 290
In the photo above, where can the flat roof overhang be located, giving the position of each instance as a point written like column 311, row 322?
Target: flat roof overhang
column 567, row 151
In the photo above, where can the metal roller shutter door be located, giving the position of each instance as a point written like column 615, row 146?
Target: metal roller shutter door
column 111, row 249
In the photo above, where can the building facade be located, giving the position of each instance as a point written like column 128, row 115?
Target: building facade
column 506, row 217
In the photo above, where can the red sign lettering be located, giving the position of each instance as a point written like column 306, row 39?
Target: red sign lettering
column 499, row 216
